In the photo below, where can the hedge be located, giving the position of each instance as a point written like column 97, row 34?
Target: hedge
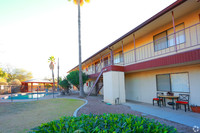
column 106, row 123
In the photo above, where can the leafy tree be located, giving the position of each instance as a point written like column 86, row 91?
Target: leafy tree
column 48, row 86
column 51, row 66
column 16, row 73
column 9, row 70
column 22, row 74
column 65, row 85
column 15, row 82
column 73, row 78
column 80, row 3
column 3, row 81
column 3, row 74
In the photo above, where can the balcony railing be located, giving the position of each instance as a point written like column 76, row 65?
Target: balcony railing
column 181, row 41
column 148, row 51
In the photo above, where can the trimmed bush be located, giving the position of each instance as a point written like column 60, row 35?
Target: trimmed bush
column 106, row 123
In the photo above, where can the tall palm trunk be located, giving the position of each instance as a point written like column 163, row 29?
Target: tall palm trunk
column 82, row 94
column 53, row 82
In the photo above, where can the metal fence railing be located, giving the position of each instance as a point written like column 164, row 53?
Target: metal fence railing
column 11, row 92
column 6, row 89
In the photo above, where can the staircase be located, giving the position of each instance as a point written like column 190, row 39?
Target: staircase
column 99, row 89
column 103, row 70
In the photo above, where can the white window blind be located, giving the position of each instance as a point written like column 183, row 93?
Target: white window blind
column 179, row 82
column 118, row 58
column 160, row 41
column 180, row 35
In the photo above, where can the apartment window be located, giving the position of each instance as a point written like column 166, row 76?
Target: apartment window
column 118, row 57
column 177, row 82
column 166, row 39
column 160, row 41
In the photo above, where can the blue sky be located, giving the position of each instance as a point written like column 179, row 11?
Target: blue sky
column 33, row 30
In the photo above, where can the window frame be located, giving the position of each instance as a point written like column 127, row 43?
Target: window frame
column 159, row 39
column 120, row 54
column 167, row 36
column 171, row 82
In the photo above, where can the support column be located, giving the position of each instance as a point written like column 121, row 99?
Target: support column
column 44, row 86
column 199, row 17
column 134, row 47
column 31, row 87
column 114, row 87
column 123, row 52
column 174, row 31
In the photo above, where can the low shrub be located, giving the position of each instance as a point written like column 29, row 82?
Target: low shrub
column 106, row 123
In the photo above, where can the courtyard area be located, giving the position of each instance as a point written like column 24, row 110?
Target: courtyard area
column 22, row 116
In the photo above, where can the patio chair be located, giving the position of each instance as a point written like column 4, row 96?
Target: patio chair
column 157, row 99
column 183, row 100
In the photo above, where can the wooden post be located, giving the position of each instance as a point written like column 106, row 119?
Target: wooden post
column 174, row 31
column 134, row 47
column 199, row 17
column 31, row 87
column 122, row 52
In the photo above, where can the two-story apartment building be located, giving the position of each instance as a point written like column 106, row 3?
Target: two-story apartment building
column 160, row 55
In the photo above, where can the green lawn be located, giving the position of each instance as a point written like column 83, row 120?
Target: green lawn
column 22, row 116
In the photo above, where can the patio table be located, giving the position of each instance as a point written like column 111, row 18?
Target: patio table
column 168, row 97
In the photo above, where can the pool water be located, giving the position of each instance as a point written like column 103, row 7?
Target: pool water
column 27, row 96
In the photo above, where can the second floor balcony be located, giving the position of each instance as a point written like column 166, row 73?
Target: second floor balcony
column 163, row 44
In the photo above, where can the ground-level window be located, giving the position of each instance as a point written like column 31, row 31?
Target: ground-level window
column 177, row 82
column 166, row 38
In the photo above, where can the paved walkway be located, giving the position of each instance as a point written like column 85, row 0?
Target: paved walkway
column 180, row 116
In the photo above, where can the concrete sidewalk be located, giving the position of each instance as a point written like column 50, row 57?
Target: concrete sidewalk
column 180, row 116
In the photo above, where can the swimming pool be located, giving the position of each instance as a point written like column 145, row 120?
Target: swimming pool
column 27, row 96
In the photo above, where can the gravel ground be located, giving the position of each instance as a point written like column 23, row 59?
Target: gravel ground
column 96, row 106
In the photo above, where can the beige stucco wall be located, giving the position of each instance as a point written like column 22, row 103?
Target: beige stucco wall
column 114, row 87
column 141, row 86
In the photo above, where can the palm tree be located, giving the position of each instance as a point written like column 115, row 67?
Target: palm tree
column 51, row 66
column 80, row 3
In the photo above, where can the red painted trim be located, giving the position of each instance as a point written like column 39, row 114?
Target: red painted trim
column 188, row 56
column 164, row 61
column 114, row 68
column 109, row 68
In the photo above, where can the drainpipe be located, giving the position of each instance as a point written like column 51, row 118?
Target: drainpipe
column 134, row 47
column 174, row 31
